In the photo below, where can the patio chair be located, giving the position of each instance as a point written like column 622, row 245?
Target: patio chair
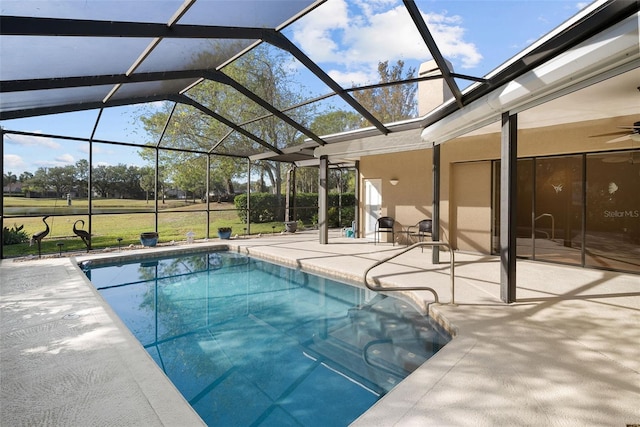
column 385, row 224
column 419, row 231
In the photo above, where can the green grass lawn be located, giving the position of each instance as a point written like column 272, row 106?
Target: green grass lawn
column 29, row 206
column 106, row 229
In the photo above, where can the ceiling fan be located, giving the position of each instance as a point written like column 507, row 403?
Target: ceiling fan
column 630, row 132
column 632, row 158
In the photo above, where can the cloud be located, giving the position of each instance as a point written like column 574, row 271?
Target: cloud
column 316, row 32
column 97, row 149
column 353, row 78
column 352, row 42
column 66, row 159
column 385, row 36
column 543, row 19
column 13, row 161
column 449, row 37
column 58, row 161
column 31, row 141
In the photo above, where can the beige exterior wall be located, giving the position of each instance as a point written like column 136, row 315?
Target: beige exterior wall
column 470, row 206
column 465, row 192
column 409, row 201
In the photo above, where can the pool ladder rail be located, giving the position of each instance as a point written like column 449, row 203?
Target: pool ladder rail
column 415, row 288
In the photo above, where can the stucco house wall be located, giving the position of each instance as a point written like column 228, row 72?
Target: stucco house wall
column 466, row 181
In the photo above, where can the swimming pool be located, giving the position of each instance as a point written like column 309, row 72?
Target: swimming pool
column 253, row 343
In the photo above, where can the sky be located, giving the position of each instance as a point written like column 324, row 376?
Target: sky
column 347, row 38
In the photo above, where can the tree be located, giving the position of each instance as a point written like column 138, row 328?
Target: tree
column 391, row 103
column 307, row 180
column 265, row 74
column 8, row 179
column 25, row 176
column 62, row 179
column 25, row 180
column 128, row 181
column 39, row 181
column 117, row 181
column 147, row 181
column 100, row 180
column 82, row 177
column 191, row 177
column 164, row 163
column 335, row 122
column 263, row 71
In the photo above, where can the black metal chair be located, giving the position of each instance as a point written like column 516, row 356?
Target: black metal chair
column 385, row 224
column 419, row 231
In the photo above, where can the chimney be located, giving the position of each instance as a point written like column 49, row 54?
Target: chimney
column 432, row 93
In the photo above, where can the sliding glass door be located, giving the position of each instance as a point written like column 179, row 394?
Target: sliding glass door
column 581, row 209
column 612, row 235
column 557, row 217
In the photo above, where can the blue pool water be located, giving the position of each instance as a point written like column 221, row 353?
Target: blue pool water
column 253, row 343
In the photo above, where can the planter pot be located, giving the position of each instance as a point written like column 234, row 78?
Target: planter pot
column 290, row 226
column 224, row 234
column 149, row 238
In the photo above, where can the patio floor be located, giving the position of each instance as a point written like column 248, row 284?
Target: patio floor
column 566, row 353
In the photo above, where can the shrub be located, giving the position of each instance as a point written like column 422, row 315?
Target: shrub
column 14, row 235
column 265, row 208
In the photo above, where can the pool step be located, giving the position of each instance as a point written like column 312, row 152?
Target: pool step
column 382, row 335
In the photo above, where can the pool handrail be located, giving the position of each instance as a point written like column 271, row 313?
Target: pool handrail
column 415, row 288
column 553, row 224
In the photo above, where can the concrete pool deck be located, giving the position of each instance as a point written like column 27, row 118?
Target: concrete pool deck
column 567, row 353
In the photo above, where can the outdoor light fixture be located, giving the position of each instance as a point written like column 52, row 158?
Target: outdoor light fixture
column 394, row 181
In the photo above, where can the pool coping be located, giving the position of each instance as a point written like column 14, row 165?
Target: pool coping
column 67, row 358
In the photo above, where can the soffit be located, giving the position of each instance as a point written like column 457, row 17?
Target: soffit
column 614, row 97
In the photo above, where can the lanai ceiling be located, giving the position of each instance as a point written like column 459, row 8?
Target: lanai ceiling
column 65, row 56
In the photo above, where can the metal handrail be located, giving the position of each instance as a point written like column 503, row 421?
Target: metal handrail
column 415, row 288
column 553, row 224
column 368, row 361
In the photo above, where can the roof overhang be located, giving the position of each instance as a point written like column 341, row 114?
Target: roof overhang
column 301, row 155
